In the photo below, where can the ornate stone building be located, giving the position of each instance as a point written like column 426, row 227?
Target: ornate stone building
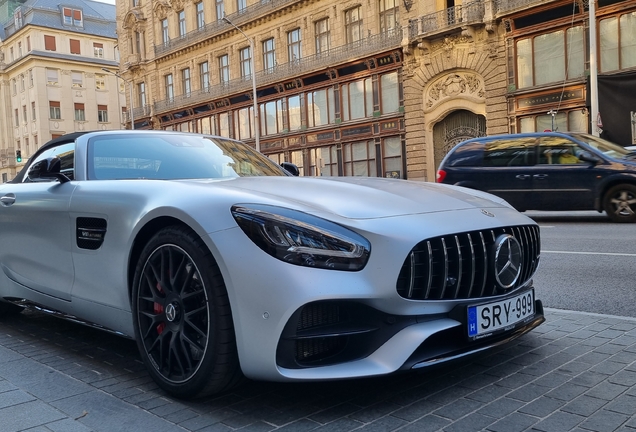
column 373, row 88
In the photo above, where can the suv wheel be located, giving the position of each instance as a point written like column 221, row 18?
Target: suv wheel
column 620, row 203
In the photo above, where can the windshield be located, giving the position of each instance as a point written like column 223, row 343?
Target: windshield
column 606, row 147
column 167, row 156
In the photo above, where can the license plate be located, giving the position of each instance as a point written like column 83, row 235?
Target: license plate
column 489, row 318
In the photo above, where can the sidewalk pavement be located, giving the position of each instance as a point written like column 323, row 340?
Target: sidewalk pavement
column 576, row 372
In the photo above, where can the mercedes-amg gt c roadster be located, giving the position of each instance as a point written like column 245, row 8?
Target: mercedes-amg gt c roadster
column 222, row 265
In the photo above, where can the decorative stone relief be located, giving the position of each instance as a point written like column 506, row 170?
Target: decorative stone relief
column 176, row 5
column 161, row 10
column 448, row 44
column 453, row 85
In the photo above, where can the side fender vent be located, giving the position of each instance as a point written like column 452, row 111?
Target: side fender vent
column 90, row 232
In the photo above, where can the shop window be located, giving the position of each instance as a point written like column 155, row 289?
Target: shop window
column 617, row 41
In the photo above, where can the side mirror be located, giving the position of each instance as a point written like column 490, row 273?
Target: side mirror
column 47, row 170
column 290, row 168
column 589, row 157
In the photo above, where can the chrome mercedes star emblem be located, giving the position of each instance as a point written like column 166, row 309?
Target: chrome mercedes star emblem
column 171, row 312
column 507, row 262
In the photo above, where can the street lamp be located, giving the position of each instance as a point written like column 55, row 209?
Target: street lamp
column 253, row 67
column 132, row 118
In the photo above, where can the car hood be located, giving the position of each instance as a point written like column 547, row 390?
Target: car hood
column 363, row 197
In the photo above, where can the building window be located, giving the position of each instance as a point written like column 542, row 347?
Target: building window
column 28, row 39
column 54, row 110
column 200, row 15
column 138, row 42
column 165, row 35
column 98, row 50
column 49, row 43
column 182, row 23
column 77, row 79
column 11, row 53
column 294, row 113
column 30, row 77
column 169, row 87
column 269, row 55
column 359, row 159
column 141, row 91
column 102, row 113
column 75, row 46
column 135, row 3
column 322, row 36
column 14, row 86
column 389, row 93
column 357, row 99
column 617, row 40
column 353, row 24
column 185, row 81
column 25, row 117
column 241, row 5
column 26, row 145
column 72, row 17
column 271, row 114
column 246, row 62
column 224, row 69
column 293, row 46
column 204, row 75
column 33, row 111
column 553, row 61
column 389, row 15
column 21, row 82
column 572, row 121
column 19, row 49
column 17, row 118
column 321, row 108
column 79, row 112
column 220, row 10
column 243, row 120
column 100, row 82
column 51, row 76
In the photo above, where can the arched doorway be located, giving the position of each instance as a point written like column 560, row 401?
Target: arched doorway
column 456, row 127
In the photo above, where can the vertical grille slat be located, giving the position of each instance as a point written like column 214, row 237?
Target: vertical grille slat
column 457, row 266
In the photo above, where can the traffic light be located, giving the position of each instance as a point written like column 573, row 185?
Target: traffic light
column 18, row 155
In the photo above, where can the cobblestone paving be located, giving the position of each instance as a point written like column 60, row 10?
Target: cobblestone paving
column 576, row 372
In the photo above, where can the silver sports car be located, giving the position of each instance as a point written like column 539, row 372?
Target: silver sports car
column 221, row 264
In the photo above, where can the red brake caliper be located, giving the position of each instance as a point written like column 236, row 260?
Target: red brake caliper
column 158, row 309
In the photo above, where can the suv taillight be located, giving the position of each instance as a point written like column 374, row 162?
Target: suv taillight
column 441, row 174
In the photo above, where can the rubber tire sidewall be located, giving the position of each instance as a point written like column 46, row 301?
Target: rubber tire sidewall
column 608, row 207
column 214, row 374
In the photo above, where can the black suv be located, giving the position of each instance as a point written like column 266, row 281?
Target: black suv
column 548, row 171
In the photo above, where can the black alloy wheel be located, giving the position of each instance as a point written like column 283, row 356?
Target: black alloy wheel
column 183, row 322
column 620, row 203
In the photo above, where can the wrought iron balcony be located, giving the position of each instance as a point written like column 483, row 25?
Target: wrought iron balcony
column 448, row 19
column 140, row 112
column 364, row 47
column 210, row 29
column 507, row 6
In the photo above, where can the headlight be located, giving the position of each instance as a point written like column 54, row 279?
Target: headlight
column 302, row 239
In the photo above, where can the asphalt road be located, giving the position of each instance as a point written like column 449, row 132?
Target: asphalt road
column 587, row 264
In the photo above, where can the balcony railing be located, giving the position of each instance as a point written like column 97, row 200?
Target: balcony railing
column 249, row 13
column 453, row 17
column 362, row 48
column 505, row 6
column 140, row 112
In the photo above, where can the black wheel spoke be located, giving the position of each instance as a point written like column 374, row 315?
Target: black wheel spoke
column 196, row 328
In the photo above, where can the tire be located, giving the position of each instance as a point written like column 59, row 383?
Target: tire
column 8, row 309
column 620, row 203
column 182, row 317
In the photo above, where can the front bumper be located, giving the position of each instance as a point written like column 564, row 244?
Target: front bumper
column 332, row 340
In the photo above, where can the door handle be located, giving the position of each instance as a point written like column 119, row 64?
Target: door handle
column 523, row 176
column 540, row 176
column 7, row 199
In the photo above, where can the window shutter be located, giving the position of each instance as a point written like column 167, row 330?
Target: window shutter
column 67, row 12
column 98, row 45
column 77, row 15
column 75, row 46
column 54, row 104
column 79, row 106
column 102, row 107
column 49, row 43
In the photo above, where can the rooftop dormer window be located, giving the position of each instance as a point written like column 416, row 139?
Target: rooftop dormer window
column 72, row 17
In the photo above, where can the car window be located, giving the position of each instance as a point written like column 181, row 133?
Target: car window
column 467, row 155
column 174, row 156
column 65, row 153
column 555, row 150
column 606, row 147
column 510, row 152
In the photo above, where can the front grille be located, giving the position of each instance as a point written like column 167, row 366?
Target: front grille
column 459, row 266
